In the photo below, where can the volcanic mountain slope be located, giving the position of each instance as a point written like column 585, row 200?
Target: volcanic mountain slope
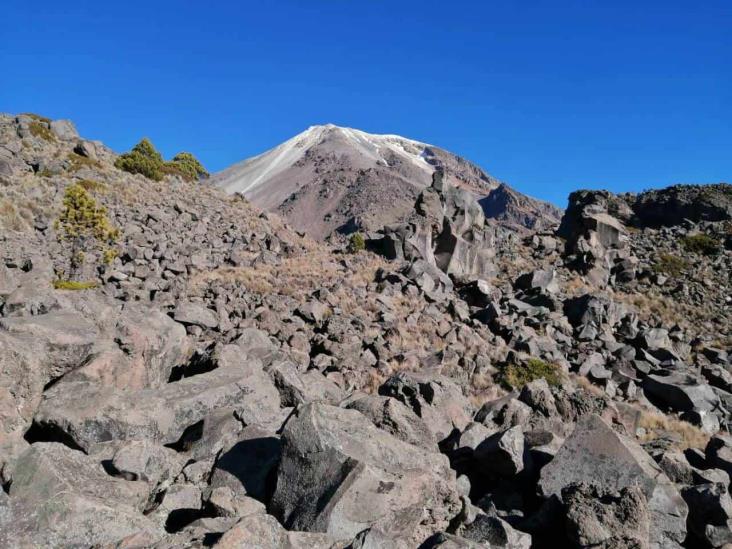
column 222, row 380
column 330, row 178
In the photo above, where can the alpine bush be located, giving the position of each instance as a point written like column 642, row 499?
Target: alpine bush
column 84, row 225
column 145, row 159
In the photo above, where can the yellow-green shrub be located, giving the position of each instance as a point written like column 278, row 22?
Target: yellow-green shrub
column 515, row 376
column 143, row 159
column 85, row 226
column 356, row 243
column 73, row 285
column 189, row 166
column 146, row 160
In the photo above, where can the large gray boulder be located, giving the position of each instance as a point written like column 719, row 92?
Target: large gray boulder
column 35, row 351
column 195, row 314
column 391, row 415
column 685, row 393
column 143, row 348
column 247, row 466
column 64, row 130
column 595, row 454
column 594, row 231
column 502, row 454
column 436, row 399
column 340, row 474
column 62, row 498
column 91, row 413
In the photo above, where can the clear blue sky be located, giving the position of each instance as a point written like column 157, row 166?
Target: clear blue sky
column 546, row 95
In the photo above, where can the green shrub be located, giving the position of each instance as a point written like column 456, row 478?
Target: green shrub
column 143, row 159
column 85, row 226
column 189, row 166
column 515, row 376
column 356, row 243
column 146, row 160
column 700, row 244
column 73, row 285
column 670, row 265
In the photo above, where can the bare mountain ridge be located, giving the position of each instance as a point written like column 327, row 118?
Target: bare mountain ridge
column 333, row 179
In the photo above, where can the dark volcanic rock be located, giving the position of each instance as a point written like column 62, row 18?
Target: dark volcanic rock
column 595, row 454
column 331, row 457
column 673, row 205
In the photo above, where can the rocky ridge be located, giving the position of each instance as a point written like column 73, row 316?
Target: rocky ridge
column 233, row 383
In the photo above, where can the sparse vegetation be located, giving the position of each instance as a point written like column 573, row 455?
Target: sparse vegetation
column 656, row 425
column 188, row 166
column 10, row 217
column 671, row 265
column 145, row 159
column 76, row 162
column 700, row 244
column 37, row 117
column 73, row 285
column 356, row 243
column 85, row 226
column 41, row 130
column 515, row 376
column 91, row 185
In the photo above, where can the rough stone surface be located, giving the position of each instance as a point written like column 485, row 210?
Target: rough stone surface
column 341, row 455
column 594, row 453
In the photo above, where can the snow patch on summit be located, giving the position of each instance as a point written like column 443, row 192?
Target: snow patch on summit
column 248, row 176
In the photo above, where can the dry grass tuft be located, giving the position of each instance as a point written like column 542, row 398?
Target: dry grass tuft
column 656, row 424
column 13, row 218
column 295, row 276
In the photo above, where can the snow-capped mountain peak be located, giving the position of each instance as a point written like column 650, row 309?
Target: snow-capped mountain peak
column 330, row 177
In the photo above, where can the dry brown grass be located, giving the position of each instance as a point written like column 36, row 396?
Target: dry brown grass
column 576, row 286
column 658, row 307
column 656, row 425
column 484, row 389
column 586, row 385
column 10, row 218
column 296, row 276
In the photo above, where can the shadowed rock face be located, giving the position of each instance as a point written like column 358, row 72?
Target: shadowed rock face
column 671, row 206
column 331, row 179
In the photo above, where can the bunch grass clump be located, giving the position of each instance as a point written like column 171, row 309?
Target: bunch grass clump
column 515, row 376
column 77, row 162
